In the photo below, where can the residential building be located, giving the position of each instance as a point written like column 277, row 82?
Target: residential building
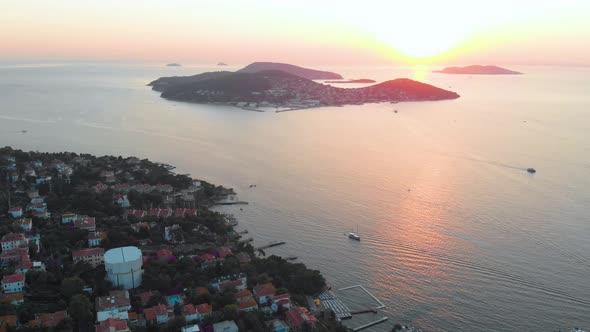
column 114, row 306
column 264, row 293
column 26, row 224
column 196, row 183
column 247, row 305
column 92, row 256
column 96, row 238
column 6, row 321
column 112, row 325
column 16, row 212
column 13, row 298
column 85, row 223
column 13, row 283
column 283, row 300
column 122, row 200
column 13, row 240
column 243, row 295
column 67, row 218
column 297, row 317
column 190, row 328
column 279, row 326
column 225, row 326
column 160, row 314
column 14, row 256
column 48, row 320
column 190, row 314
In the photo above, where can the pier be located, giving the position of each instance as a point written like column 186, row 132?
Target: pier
column 329, row 301
column 272, row 244
column 362, row 327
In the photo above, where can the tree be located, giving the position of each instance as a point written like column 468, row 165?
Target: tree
column 80, row 308
column 72, row 286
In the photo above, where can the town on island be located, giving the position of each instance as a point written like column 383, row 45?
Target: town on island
column 125, row 244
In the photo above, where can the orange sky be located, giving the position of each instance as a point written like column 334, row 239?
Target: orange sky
column 304, row 32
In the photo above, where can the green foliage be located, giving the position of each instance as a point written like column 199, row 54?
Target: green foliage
column 71, row 286
column 80, row 308
column 295, row 277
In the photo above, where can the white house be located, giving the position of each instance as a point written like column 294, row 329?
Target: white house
column 96, row 238
column 190, row 328
column 13, row 240
column 225, row 326
column 196, row 183
column 116, row 305
column 16, row 212
column 13, row 283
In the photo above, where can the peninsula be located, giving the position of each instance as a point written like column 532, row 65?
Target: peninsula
column 174, row 65
column 478, row 70
column 279, row 89
column 362, row 80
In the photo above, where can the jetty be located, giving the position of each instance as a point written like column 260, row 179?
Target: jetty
column 330, row 301
column 271, row 244
column 231, row 203
column 362, row 327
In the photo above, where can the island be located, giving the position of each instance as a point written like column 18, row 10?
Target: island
column 222, row 64
column 310, row 74
column 478, row 70
column 174, row 65
column 286, row 91
column 129, row 244
column 362, row 80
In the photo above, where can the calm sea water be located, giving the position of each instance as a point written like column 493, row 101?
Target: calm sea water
column 456, row 236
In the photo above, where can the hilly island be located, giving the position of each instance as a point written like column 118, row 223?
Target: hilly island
column 287, row 86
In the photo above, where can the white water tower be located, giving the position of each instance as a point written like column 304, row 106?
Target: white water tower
column 123, row 266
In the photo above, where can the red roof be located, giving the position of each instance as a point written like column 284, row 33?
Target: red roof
column 153, row 312
column 146, row 296
column 97, row 235
column 245, row 293
column 247, row 304
column 18, row 277
column 88, row 222
column 12, row 297
column 13, row 237
column 265, row 290
column 281, row 297
column 224, row 252
column 16, row 209
column 163, row 252
column 154, row 212
column 298, row 315
column 207, row 257
column 9, row 320
column 48, row 319
column 204, row 308
column 201, row 290
column 88, row 252
column 189, row 309
column 112, row 325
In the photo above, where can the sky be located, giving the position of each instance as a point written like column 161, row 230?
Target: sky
column 367, row 32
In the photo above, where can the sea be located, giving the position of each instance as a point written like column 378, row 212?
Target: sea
column 456, row 235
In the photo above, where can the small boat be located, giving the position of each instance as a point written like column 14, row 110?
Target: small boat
column 354, row 236
column 531, row 170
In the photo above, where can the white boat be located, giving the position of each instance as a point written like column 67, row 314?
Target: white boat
column 354, row 236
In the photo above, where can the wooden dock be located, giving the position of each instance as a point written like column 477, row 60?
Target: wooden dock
column 272, row 244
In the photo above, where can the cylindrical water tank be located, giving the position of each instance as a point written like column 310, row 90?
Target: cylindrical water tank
column 123, row 266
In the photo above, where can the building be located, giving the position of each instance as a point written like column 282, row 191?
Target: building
column 26, row 224
column 225, row 326
column 123, row 266
column 283, row 300
column 112, row 325
column 114, row 306
column 16, row 212
column 13, row 298
column 14, row 256
column 297, row 317
column 13, row 240
column 190, row 314
column 264, row 293
column 6, row 321
column 92, row 256
column 96, row 238
column 243, row 295
column 47, row 320
column 247, row 305
column 67, row 218
column 279, row 326
column 85, row 223
column 190, row 328
column 196, row 183
column 160, row 314
column 173, row 233
column 13, row 283
column 122, row 200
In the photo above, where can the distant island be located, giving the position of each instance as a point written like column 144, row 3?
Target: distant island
column 478, row 70
column 310, row 74
column 362, row 80
column 222, row 64
column 287, row 91
column 174, row 65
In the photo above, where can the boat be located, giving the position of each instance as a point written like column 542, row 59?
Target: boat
column 531, row 170
column 354, row 236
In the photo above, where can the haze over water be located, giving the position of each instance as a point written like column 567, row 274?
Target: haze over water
column 456, row 235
